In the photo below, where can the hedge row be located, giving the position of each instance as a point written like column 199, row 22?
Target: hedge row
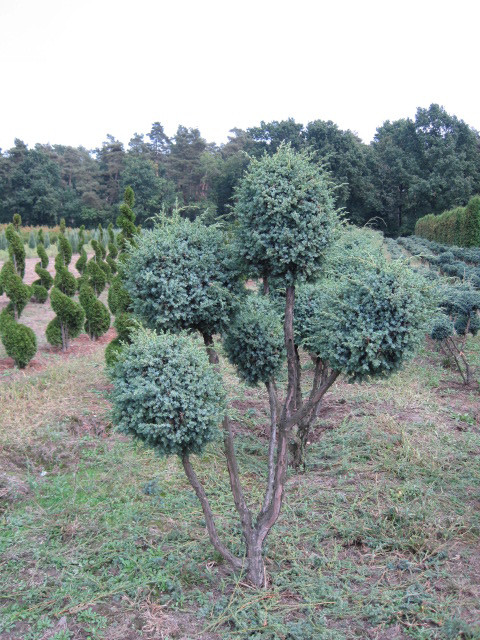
column 459, row 226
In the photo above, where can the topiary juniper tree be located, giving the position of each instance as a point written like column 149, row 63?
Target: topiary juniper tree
column 177, row 279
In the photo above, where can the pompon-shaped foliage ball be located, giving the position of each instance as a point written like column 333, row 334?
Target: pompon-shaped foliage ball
column 118, row 297
column 166, row 393
column 81, row 263
column 97, row 318
column 70, row 317
column 367, row 325
column 96, row 277
column 254, row 340
column 16, row 249
column 19, row 341
column 45, row 278
column 441, row 327
column 177, row 278
column 42, row 254
column 39, row 292
column 12, row 284
column 64, row 249
column 286, row 215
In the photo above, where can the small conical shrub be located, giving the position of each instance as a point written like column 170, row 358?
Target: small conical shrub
column 17, row 221
column 19, row 341
column 40, row 238
column 32, row 243
column 112, row 265
column 68, row 322
column 46, row 241
column 63, row 226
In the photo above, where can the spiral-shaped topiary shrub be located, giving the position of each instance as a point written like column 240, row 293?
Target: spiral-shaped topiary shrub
column 64, row 249
column 12, row 284
column 166, row 394
column 81, row 263
column 118, row 297
column 45, row 278
column 177, row 279
column 19, row 341
column 16, row 249
column 42, row 254
column 68, row 322
column 286, row 215
column 254, row 340
column 97, row 318
column 64, row 280
column 95, row 276
column 126, row 220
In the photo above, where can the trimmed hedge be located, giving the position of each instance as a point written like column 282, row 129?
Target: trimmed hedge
column 459, row 226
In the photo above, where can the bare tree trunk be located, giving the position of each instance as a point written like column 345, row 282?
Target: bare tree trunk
column 207, row 512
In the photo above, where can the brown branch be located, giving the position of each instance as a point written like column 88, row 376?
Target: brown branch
column 309, row 406
column 272, row 397
column 207, row 512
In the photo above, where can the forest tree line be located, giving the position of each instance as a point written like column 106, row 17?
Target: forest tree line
column 411, row 168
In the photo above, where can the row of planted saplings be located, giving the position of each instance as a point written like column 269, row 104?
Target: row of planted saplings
column 89, row 314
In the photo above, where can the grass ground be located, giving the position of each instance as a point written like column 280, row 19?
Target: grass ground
column 378, row 539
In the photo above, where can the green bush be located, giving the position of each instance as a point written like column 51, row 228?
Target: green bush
column 12, row 284
column 68, row 322
column 286, row 215
column 42, row 254
column 166, row 394
column 97, row 318
column 45, row 278
column 39, row 293
column 64, row 280
column 64, row 250
column 81, row 263
column 118, row 297
column 95, row 276
column 19, row 341
column 126, row 220
column 16, row 249
column 254, row 340
column 177, row 278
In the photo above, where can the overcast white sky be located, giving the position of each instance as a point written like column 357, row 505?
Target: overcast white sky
column 73, row 71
